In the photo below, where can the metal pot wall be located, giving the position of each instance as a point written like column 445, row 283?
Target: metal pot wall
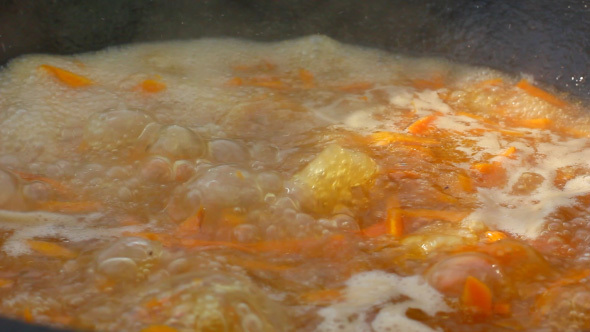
column 546, row 38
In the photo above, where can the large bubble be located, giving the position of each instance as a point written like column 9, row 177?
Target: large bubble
column 177, row 142
column 115, row 128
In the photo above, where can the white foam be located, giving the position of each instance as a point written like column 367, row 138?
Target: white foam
column 28, row 225
column 390, row 295
column 526, row 215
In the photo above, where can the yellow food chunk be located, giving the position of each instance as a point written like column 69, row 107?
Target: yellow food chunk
column 334, row 172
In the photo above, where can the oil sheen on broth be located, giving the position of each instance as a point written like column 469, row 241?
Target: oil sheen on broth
column 304, row 185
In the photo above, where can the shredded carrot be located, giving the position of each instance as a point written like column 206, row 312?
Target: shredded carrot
column 395, row 222
column 70, row 207
column 422, row 125
column 465, row 182
column 263, row 266
column 307, row 78
column 5, row 283
column 154, row 302
column 510, row 152
column 446, row 215
column 502, row 308
column 263, row 65
column 385, row 138
column 51, row 249
column 271, row 84
column 494, row 236
column 490, row 82
column 414, row 150
column 539, row 123
column 232, row 218
column 511, row 133
column 194, row 243
column 165, row 239
column 477, row 296
column 476, row 117
column 403, row 174
column 236, row 81
column 61, row 319
column 61, row 188
column 152, row 86
column 105, row 285
column 192, row 224
column 481, row 131
column 267, row 82
column 159, row 328
column 572, row 277
column 322, row 296
column 67, row 77
column 435, row 83
column 28, row 315
column 364, row 98
column 355, row 87
column 490, row 174
column 577, row 133
column 376, row 230
column 540, row 93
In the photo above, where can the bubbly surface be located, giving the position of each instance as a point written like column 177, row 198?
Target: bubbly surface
column 303, row 185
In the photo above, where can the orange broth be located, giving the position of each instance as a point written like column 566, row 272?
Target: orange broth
column 305, row 185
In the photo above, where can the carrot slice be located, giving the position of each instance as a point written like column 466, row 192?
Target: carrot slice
column 422, row 125
column 152, row 86
column 159, row 328
column 51, row 249
column 540, row 93
column 477, row 296
column 67, row 77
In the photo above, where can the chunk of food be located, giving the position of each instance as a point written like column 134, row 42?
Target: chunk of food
column 333, row 174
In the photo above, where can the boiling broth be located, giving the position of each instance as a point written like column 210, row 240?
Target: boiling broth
column 229, row 185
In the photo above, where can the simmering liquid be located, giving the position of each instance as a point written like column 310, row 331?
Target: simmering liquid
column 305, row 185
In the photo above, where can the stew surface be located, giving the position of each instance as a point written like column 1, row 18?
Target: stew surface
column 305, row 185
